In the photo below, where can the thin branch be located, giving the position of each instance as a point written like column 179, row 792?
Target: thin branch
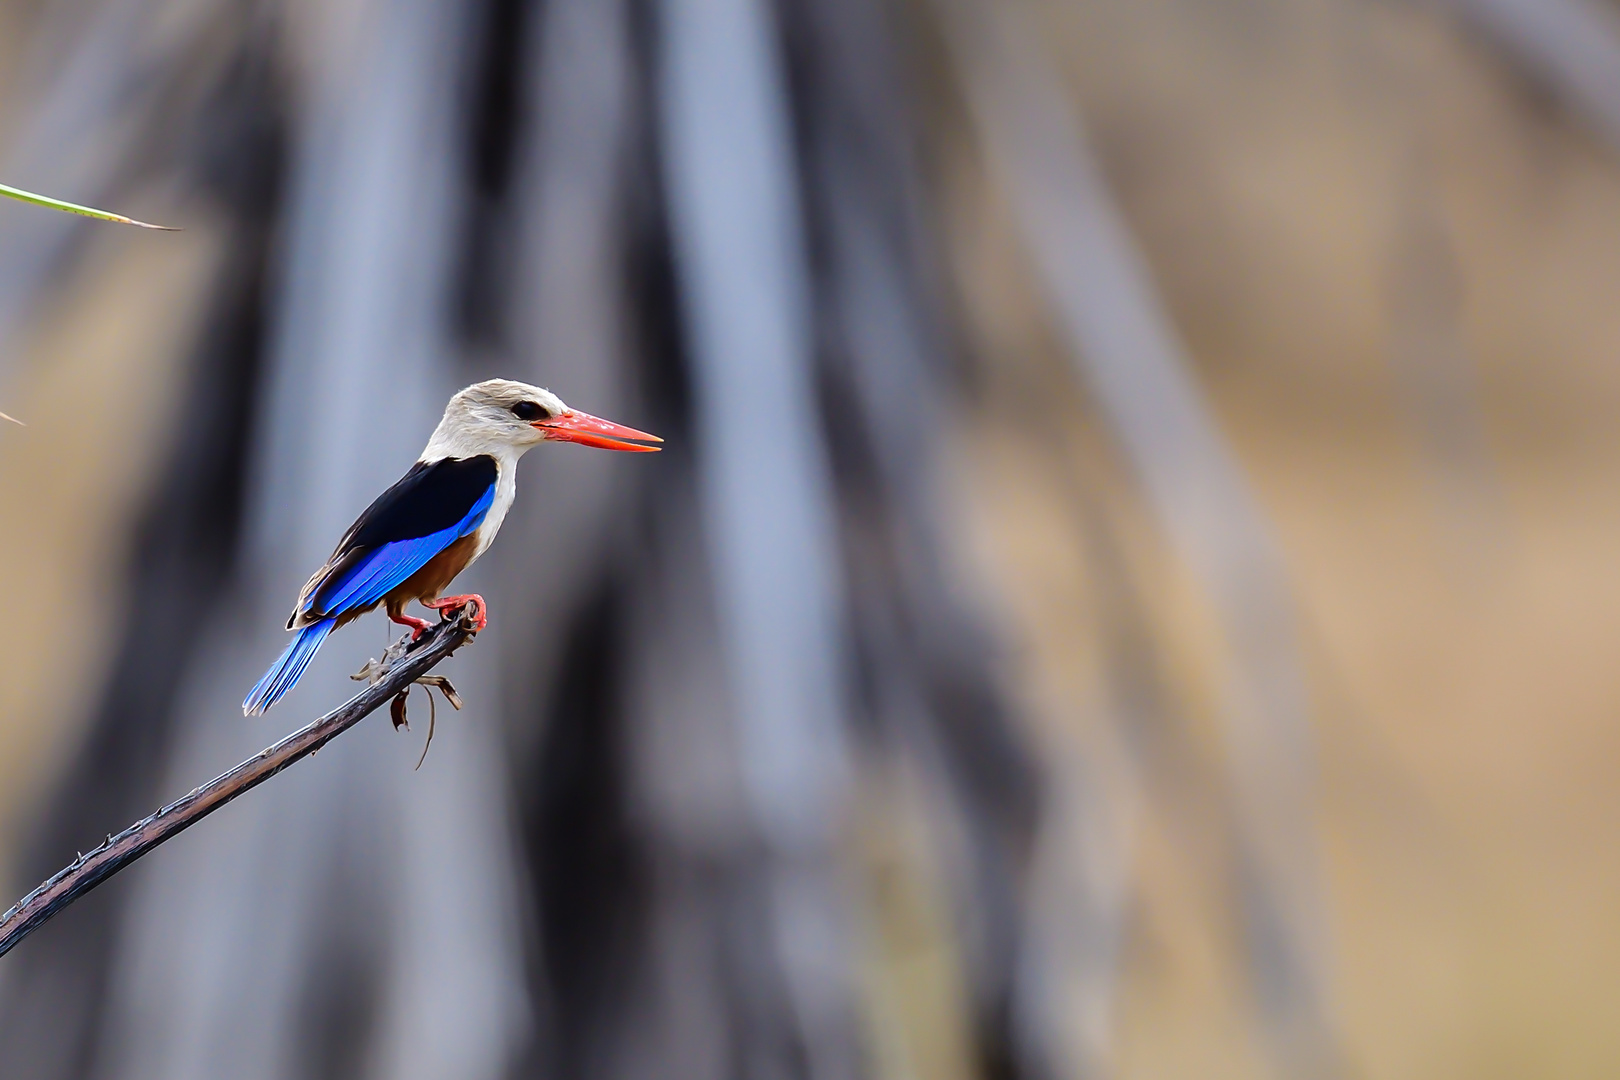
column 402, row 665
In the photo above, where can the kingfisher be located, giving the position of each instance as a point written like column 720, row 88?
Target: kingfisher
column 436, row 520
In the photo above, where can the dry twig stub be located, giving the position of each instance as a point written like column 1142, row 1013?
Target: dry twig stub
column 402, row 665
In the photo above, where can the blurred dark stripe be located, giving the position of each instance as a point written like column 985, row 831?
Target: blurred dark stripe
column 884, row 348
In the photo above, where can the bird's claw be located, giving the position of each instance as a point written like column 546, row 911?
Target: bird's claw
column 447, row 606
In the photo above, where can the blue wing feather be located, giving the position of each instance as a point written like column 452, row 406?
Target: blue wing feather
column 364, row 584
column 384, row 570
column 388, row 566
column 285, row 672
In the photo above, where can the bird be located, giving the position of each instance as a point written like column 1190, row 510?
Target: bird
column 413, row 540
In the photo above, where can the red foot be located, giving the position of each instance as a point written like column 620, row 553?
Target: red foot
column 449, row 603
column 416, row 625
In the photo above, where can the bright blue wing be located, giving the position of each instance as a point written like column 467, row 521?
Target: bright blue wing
column 368, row 565
column 387, row 566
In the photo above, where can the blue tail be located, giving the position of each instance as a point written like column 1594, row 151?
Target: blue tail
column 286, row 671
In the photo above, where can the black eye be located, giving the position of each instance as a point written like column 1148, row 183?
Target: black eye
column 530, row 411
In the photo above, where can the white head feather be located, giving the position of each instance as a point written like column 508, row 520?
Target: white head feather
column 480, row 420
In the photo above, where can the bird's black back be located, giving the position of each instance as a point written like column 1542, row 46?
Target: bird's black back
column 430, row 498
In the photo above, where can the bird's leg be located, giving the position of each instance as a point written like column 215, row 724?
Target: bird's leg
column 450, row 603
column 416, row 625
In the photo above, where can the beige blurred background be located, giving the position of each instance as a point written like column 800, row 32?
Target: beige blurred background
column 1328, row 194
column 1460, row 668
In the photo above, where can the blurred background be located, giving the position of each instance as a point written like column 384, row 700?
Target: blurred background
column 1129, row 590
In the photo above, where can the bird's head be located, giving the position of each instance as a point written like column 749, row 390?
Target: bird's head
column 501, row 415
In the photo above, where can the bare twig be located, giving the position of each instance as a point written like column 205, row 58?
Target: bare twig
column 444, row 686
column 402, row 665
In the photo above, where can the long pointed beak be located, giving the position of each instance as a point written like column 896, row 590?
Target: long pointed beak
column 587, row 430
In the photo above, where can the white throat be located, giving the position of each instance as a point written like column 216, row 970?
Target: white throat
column 454, row 441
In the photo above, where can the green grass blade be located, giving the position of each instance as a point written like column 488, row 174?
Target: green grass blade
column 75, row 208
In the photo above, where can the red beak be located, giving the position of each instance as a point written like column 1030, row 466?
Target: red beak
column 587, row 430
